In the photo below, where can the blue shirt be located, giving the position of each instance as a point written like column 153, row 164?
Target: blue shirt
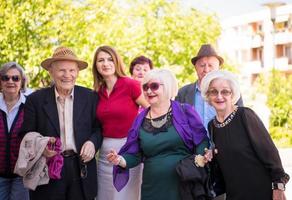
column 206, row 111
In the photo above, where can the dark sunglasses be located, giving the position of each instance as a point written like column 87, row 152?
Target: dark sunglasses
column 153, row 86
column 6, row 78
column 215, row 93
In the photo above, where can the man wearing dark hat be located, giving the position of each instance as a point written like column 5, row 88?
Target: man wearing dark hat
column 206, row 61
column 66, row 111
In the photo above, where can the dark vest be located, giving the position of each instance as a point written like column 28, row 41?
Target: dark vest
column 9, row 143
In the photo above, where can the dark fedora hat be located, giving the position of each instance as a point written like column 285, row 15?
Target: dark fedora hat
column 63, row 53
column 207, row 50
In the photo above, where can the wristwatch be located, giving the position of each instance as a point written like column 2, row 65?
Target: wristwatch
column 278, row 186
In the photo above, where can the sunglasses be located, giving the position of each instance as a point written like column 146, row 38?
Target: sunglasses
column 6, row 78
column 153, row 86
column 215, row 93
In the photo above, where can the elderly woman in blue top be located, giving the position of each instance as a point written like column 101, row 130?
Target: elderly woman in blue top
column 161, row 135
column 12, row 84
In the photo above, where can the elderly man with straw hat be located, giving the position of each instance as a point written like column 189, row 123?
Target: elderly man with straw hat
column 66, row 111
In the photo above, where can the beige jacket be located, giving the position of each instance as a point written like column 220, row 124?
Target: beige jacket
column 31, row 164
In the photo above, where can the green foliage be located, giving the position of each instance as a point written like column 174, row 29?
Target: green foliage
column 281, row 136
column 163, row 30
column 278, row 87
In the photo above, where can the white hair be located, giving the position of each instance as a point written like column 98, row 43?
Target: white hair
column 222, row 75
column 166, row 78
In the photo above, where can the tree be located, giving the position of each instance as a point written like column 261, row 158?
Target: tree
column 161, row 29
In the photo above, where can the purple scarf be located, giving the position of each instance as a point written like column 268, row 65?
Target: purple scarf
column 185, row 120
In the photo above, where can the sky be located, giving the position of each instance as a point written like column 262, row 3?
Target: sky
column 228, row 8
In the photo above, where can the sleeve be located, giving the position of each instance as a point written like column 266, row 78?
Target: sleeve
column 96, row 136
column 200, row 148
column 30, row 116
column 263, row 145
column 132, row 160
column 135, row 89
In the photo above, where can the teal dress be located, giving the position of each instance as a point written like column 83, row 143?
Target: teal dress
column 161, row 150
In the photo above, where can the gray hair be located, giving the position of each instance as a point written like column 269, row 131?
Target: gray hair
column 14, row 65
column 166, row 78
column 222, row 75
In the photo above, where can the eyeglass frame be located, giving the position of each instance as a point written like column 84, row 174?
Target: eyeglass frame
column 215, row 93
column 153, row 86
column 14, row 78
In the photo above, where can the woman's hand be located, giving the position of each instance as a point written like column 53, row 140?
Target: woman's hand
column 113, row 157
column 208, row 156
column 279, row 195
column 116, row 159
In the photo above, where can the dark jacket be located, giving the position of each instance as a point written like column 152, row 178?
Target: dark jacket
column 186, row 94
column 41, row 115
column 194, row 183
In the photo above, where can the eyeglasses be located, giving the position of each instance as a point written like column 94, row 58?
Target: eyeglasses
column 153, row 86
column 215, row 93
column 6, row 78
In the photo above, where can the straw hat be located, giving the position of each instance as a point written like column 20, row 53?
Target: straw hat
column 63, row 53
column 207, row 50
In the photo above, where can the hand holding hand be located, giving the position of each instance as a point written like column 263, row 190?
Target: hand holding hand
column 87, row 151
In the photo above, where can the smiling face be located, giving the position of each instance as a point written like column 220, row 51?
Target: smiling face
column 64, row 74
column 105, row 65
column 11, row 82
column 139, row 71
column 220, row 95
column 154, row 92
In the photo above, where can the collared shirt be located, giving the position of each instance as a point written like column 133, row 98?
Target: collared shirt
column 118, row 110
column 205, row 110
column 65, row 113
column 10, row 115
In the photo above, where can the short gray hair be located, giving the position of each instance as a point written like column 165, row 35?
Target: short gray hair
column 14, row 65
column 166, row 78
column 222, row 75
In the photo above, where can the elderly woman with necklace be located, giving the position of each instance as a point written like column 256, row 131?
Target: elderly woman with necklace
column 160, row 137
column 12, row 99
column 247, row 157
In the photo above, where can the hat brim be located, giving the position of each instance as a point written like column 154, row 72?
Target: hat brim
column 195, row 59
column 46, row 64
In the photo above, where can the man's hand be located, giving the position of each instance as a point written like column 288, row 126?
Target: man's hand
column 47, row 152
column 87, row 151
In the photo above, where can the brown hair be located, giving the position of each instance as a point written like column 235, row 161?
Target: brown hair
column 140, row 60
column 119, row 66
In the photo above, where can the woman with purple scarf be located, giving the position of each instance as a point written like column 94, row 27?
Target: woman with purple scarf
column 160, row 137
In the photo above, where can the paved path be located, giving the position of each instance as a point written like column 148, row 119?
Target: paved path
column 286, row 156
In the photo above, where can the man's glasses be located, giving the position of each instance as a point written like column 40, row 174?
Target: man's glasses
column 215, row 93
column 153, row 86
column 6, row 78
